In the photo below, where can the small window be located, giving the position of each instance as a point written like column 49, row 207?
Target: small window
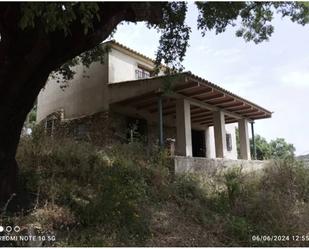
column 229, row 142
column 142, row 72
column 49, row 127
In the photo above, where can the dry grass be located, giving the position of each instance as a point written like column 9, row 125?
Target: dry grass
column 125, row 196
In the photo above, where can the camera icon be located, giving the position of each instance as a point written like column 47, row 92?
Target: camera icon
column 9, row 229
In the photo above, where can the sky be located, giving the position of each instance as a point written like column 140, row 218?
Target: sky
column 273, row 74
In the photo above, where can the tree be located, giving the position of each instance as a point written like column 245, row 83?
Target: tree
column 31, row 119
column 281, row 149
column 275, row 149
column 263, row 150
column 40, row 38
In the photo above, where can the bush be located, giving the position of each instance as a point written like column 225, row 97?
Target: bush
column 271, row 202
column 107, row 197
column 109, row 189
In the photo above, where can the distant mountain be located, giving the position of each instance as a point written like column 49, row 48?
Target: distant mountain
column 304, row 158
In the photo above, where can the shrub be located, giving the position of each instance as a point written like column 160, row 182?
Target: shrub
column 107, row 188
column 107, row 196
column 271, row 202
column 119, row 203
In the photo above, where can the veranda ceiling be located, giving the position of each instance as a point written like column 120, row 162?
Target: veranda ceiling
column 204, row 96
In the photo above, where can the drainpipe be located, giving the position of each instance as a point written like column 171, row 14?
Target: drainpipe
column 160, row 111
column 253, row 140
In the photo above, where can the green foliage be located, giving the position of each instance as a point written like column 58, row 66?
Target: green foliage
column 218, row 15
column 95, row 197
column 232, row 182
column 281, row 149
column 55, row 17
column 255, row 24
column 175, row 35
column 263, row 150
column 275, row 149
column 187, row 188
column 31, row 118
column 191, row 197
column 58, row 16
column 106, row 190
column 255, row 17
column 119, row 203
column 272, row 202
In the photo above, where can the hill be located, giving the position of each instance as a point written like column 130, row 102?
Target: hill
column 126, row 195
column 304, row 158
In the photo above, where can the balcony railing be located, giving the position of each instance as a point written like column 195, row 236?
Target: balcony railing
column 141, row 74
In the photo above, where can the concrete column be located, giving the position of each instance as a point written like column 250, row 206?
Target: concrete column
column 207, row 142
column 220, row 137
column 183, row 126
column 244, row 139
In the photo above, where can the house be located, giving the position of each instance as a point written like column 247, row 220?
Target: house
column 121, row 100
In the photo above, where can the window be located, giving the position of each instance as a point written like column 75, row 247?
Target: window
column 143, row 72
column 49, row 127
column 229, row 142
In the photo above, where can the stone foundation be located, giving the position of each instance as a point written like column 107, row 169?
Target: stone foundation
column 101, row 129
column 213, row 166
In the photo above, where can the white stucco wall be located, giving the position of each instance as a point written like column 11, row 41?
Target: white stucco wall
column 229, row 128
column 122, row 66
column 88, row 95
column 83, row 96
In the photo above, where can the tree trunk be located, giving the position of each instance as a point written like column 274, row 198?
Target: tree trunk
column 9, row 134
column 15, row 103
column 28, row 56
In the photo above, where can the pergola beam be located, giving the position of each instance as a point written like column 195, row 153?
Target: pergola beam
column 253, row 111
column 235, row 106
column 198, row 111
column 198, row 91
column 188, row 86
column 199, row 94
column 212, row 124
column 239, row 109
column 212, row 97
column 222, row 101
column 202, row 119
column 208, row 114
column 207, row 106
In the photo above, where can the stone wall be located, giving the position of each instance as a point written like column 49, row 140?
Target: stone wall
column 101, row 129
column 213, row 166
